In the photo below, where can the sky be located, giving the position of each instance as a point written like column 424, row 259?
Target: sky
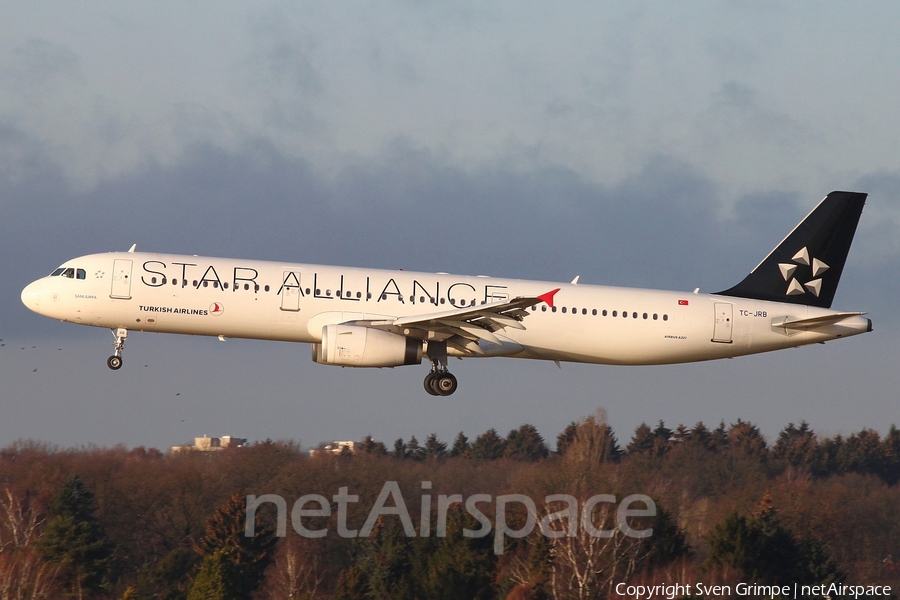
column 643, row 144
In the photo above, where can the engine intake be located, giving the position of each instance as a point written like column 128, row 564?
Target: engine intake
column 354, row 346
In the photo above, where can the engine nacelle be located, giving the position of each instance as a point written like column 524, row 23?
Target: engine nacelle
column 354, row 346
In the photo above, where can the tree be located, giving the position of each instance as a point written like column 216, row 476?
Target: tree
column 489, row 445
column 414, row 450
column 525, row 443
column 797, row 446
column 745, row 437
column 215, row 579
column 460, row 445
column 642, row 440
column 435, row 448
column 242, row 560
column 399, row 449
column 75, row 540
column 767, row 552
column 590, row 440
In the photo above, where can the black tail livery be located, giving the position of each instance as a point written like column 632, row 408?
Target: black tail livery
column 806, row 267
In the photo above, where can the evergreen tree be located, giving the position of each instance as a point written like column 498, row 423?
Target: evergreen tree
column 565, row 439
column 246, row 558
column 75, row 540
column 745, row 437
column 370, row 446
column 797, row 446
column 435, row 448
column 489, row 445
column 215, row 580
column 399, row 449
column 460, row 445
column 525, row 443
column 414, row 450
column 641, row 441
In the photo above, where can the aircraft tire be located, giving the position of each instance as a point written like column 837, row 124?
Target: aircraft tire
column 445, row 384
column 429, row 384
column 114, row 362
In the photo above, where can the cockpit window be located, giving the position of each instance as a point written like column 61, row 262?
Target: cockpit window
column 69, row 272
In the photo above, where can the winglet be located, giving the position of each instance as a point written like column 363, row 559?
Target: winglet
column 548, row 297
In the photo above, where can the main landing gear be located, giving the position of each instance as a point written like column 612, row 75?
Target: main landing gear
column 440, row 382
column 114, row 362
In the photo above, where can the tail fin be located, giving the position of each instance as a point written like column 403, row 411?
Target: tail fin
column 805, row 268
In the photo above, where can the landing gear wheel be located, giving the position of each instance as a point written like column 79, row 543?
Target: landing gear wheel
column 445, row 384
column 114, row 362
column 429, row 384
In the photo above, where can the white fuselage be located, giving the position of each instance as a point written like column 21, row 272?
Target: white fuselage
column 293, row 302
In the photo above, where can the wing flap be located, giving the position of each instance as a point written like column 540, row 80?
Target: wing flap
column 463, row 327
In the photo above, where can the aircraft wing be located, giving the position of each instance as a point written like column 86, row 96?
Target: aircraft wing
column 463, row 328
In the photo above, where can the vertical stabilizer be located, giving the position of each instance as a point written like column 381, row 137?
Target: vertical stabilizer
column 806, row 267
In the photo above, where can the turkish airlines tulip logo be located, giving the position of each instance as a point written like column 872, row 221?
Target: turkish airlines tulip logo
column 216, row 309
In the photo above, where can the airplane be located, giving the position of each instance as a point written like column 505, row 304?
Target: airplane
column 356, row 317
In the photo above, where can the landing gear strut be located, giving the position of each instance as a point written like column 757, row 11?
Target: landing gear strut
column 440, row 381
column 114, row 362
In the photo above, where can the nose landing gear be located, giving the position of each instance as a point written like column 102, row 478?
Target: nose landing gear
column 114, row 362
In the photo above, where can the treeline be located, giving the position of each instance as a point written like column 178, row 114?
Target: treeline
column 729, row 507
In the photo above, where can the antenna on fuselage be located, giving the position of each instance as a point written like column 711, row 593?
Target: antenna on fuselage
column 133, row 246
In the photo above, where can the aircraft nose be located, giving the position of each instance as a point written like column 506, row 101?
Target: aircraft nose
column 32, row 295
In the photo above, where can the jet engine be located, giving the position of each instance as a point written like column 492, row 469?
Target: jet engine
column 354, row 346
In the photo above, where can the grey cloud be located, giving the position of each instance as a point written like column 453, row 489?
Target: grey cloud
column 37, row 63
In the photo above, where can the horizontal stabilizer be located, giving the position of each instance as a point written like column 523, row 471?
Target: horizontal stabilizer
column 813, row 322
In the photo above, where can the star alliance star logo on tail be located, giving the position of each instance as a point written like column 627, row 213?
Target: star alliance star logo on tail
column 788, row 270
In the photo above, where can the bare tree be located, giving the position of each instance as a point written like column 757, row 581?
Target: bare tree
column 23, row 573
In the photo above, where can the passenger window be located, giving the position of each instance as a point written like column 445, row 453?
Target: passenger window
column 80, row 274
column 544, row 308
column 594, row 312
column 584, row 311
column 615, row 313
column 564, row 309
column 604, row 312
column 645, row 315
column 225, row 286
column 153, row 280
column 665, row 317
column 624, row 314
column 246, row 286
column 634, row 315
column 655, row 316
